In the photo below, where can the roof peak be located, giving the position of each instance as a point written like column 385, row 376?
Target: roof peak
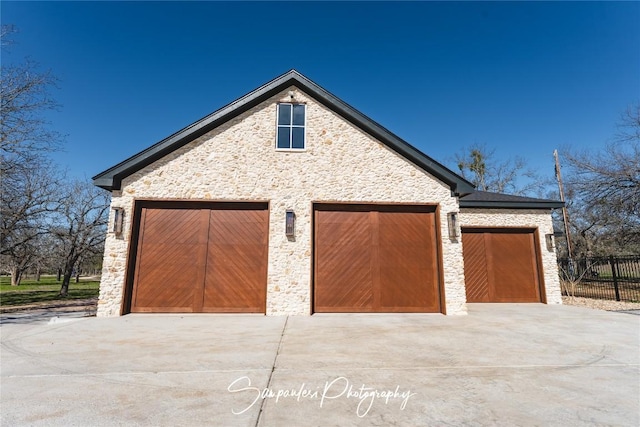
column 111, row 178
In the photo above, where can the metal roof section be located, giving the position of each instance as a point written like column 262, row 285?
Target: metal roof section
column 485, row 199
column 111, row 179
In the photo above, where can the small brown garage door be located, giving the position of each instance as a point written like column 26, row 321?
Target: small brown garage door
column 375, row 259
column 502, row 265
column 193, row 257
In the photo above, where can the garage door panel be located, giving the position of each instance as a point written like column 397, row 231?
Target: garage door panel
column 501, row 266
column 235, row 278
column 408, row 268
column 345, row 280
column 344, row 266
column 236, row 261
column 372, row 259
column 177, row 297
column 475, row 267
column 176, row 226
column 514, row 267
column 406, row 289
column 207, row 258
column 411, row 229
column 343, row 228
column 347, row 297
column 238, row 227
column 168, row 261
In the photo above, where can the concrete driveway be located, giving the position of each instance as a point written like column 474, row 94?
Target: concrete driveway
column 509, row 365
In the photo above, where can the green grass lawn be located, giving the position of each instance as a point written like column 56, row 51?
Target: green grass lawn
column 46, row 290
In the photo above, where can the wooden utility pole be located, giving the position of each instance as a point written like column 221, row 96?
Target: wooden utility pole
column 565, row 215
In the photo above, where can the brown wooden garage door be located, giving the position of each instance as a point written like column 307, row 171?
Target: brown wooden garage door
column 194, row 257
column 375, row 259
column 502, row 265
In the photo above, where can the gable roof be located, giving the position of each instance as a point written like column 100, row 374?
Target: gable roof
column 485, row 199
column 111, row 179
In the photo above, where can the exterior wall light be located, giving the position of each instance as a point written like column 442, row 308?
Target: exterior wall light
column 454, row 225
column 290, row 224
column 118, row 221
column 550, row 242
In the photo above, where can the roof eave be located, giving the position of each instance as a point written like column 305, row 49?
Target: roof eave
column 542, row 204
column 105, row 183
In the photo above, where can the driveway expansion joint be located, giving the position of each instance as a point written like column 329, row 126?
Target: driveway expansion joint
column 273, row 368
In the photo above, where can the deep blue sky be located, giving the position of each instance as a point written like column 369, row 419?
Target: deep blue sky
column 523, row 78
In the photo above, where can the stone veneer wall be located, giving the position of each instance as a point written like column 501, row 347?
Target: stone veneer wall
column 238, row 161
column 540, row 219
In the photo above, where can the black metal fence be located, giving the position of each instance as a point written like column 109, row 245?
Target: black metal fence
column 615, row 278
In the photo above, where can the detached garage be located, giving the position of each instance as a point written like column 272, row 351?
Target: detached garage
column 288, row 201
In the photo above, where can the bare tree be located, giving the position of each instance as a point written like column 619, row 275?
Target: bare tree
column 24, row 97
column 29, row 180
column 29, row 196
column 604, row 191
column 629, row 125
column 478, row 165
column 49, row 259
column 79, row 226
column 21, row 258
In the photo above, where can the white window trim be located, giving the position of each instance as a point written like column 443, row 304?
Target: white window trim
column 291, row 126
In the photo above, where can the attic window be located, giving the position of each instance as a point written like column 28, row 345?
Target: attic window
column 291, row 121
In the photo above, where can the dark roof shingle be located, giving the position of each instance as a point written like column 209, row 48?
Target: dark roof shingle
column 486, row 199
